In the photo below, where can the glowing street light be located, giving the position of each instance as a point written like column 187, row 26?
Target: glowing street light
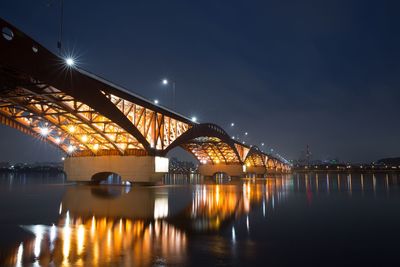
column 71, row 149
column 194, row 119
column 166, row 82
column 246, row 133
column 58, row 140
column 156, row 101
column 44, row 131
column 262, row 144
column 70, row 62
column 232, row 124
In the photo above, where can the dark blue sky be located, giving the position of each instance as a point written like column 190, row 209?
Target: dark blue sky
column 291, row 73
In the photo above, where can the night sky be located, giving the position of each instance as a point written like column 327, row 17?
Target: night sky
column 290, row 73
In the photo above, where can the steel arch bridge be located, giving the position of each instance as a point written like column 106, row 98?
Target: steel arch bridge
column 89, row 117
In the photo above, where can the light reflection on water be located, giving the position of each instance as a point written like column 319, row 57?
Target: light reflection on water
column 101, row 240
column 113, row 225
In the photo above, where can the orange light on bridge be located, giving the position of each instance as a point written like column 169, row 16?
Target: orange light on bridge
column 84, row 138
column 71, row 149
column 71, row 129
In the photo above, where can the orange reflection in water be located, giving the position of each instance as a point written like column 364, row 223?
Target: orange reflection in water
column 101, row 241
column 80, row 239
column 214, row 205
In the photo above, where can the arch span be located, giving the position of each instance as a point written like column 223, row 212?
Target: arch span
column 255, row 158
column 271, row 164
column 209, row 143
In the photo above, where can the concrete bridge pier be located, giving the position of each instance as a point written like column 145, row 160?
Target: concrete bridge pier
column 230, row 169
column 256, row 170
column 272, row 171
column 146, row 169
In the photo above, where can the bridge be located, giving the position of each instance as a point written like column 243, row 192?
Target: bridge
column 105, row 128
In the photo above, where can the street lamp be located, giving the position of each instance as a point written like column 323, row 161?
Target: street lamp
column 71, row 148
column 44, row 131
column 70, row 62
column 166, row 82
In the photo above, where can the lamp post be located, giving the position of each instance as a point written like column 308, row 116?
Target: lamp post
column 173, row 85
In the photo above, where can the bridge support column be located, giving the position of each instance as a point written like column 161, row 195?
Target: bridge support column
column 230, row 169
column 258, row 170
column 272, row 171
column 130, row 168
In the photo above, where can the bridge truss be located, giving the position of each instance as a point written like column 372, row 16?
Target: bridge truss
column 85, row 115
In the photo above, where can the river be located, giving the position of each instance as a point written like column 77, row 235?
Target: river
column 324, row 219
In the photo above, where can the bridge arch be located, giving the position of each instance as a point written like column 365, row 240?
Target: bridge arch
column 279, row 166
column 255, row 158
column 209, row 143
column 271, row 163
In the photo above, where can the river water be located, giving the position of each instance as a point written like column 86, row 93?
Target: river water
column 324, row 219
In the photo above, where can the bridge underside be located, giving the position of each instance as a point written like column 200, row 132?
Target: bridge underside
column 212, row 150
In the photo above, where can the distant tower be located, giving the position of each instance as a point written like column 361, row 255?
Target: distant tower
column 308, row 154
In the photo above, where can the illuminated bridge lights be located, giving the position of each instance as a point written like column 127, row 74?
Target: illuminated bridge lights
column 85, row 115
column 211, row 149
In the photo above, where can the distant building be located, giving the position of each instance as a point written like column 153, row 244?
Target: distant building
column 5, row 165
column 177, row 166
